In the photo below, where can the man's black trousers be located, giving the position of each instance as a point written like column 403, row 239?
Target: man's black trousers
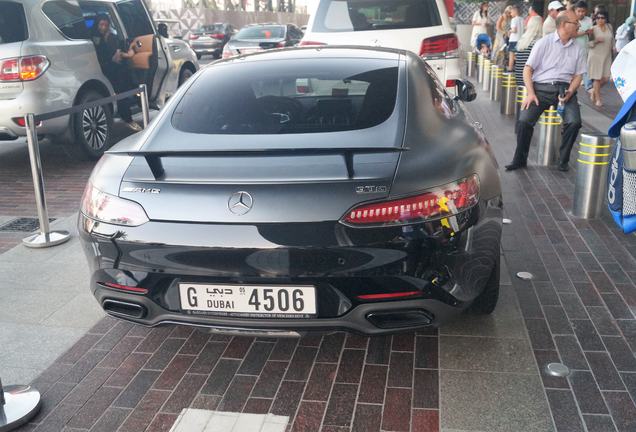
column 548, row 95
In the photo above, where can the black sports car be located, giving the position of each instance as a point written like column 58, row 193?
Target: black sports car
column 337, row 188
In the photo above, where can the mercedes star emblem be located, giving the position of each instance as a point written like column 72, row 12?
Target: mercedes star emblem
column 240, row 203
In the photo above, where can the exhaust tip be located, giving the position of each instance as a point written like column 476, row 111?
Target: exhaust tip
column 124, row 309
column 401, row 318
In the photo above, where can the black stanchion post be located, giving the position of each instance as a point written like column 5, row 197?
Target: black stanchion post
column 45, row 237
column 145, row 109
column 2, row 401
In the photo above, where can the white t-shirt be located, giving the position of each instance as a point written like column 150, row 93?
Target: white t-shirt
column 516, row 24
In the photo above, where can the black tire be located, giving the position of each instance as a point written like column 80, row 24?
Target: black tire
column 486, row 302
column 92, row 129
column 184, row 75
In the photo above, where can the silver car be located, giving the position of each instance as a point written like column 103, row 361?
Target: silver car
column 48, row 62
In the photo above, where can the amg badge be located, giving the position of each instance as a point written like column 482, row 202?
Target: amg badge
column 142, row 190
column 371, row 189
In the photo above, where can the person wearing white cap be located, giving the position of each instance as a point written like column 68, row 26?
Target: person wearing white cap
column 549, row 25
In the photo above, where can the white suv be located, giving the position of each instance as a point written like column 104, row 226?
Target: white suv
column 420, row 26
column 48, row 62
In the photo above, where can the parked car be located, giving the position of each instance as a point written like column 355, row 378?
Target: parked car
column 48, row 62
column 210, row 39
column 260, row 37
column 299, row 189
column 420, row 26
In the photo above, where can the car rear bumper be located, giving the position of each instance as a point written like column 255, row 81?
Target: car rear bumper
column 446, row 272
column 28, row 101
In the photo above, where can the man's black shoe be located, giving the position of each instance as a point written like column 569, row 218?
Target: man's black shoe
column 514, row 166
column 564, row 167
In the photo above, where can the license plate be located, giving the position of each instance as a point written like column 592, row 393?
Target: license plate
column 249, row 300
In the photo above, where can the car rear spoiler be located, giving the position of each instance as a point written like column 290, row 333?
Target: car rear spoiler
column 153, row 158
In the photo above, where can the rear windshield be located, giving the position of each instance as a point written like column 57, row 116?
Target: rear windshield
column 265, row 32
column 289, row 96
column 13, row 26
column 364, row 15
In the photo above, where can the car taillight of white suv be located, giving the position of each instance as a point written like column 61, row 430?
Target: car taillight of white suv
column 26, row 68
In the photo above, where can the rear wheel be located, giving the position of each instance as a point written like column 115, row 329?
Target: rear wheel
column 486, row 302
column 92, row 128
column 185, row 74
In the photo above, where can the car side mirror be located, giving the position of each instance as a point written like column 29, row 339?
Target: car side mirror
column 465, row 91
column 162, row 30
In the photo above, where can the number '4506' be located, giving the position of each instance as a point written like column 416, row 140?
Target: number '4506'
column 281, row 298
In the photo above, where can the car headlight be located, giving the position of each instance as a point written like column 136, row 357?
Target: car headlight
column 111, row 209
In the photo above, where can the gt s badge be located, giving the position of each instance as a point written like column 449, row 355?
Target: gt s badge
column 142, row 190
column 371, row 189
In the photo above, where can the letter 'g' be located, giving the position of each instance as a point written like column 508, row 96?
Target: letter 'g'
column 192, row 297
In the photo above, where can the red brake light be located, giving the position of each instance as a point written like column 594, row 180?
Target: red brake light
column 311, row 43
column 451, row 83
column 439, row 46
column 124, row 287
column 385, row 296
column 217, row 35
column 9, row 70
column 22, row 123
column 194, row 37
column 23, row 68
column 441, row 202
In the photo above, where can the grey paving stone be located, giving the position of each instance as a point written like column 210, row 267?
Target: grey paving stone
column 486, row 354
column 493, row 402
column 82, row 312
column 34, row 346
column 587, row 393
column 17, row 375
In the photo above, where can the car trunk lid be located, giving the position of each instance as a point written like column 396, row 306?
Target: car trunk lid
column 307, row 183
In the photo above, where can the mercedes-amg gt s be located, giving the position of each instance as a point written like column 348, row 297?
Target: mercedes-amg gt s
column 330, row 188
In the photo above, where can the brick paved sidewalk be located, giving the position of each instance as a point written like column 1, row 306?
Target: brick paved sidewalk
column 476, row 374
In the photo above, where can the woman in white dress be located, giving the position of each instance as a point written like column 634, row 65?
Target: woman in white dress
column 480, row 24
column 599, row 58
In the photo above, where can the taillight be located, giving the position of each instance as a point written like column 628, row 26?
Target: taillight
column 439, row 46
column 25, row 68
column 217, row 35
column 194, row 37
column 437, row 203
column 451, row 83
column 111, row 209
column 121, row 287
column 20, row 121
column 311, row 43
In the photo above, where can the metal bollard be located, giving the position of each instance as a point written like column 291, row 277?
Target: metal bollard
column 496, row 73
column 487, row 68
column 508, row 93
column 549, row 137
column 480, row 68
column 628, row 150
column 18, row 404
column 591, row 175
column 145, row 108
column 522, row 92
column 45, row 237
column 470, row 63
